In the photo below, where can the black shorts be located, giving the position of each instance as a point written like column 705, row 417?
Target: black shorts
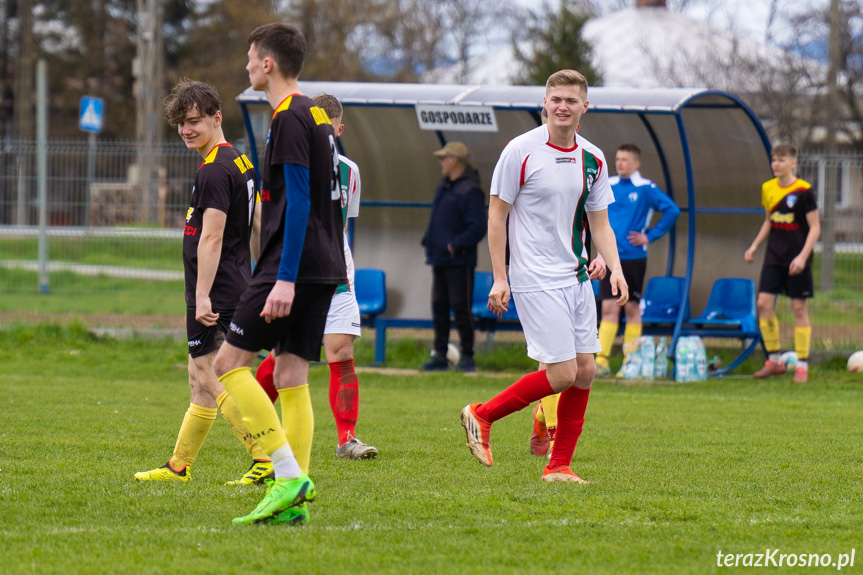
column 206, row 339
column 633, row 273
column 301, row 333
column 777, row 280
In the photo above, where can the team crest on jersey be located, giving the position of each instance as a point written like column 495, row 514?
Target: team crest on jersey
column 790, row 200
column 565, row 161
column 633, row 196
column 344, row 194
column 189, row 213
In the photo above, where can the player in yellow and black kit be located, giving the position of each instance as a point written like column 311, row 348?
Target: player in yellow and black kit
column 302, row 261
column 791, row 227
column 216, row 243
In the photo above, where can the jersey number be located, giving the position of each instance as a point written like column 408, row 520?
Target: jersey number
column 335, row 191
column 250, row 187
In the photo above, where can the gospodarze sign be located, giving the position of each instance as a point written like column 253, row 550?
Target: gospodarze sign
column 456, row 118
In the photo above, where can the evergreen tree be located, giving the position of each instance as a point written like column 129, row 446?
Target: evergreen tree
column 554, row 42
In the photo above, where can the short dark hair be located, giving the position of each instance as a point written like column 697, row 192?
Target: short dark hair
column 284, row 43
column 784, row 151
column 330, row 104
column 632, row 149
column 188, row 94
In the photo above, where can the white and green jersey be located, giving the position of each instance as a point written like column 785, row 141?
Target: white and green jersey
column 349, row 176
column 550, row 190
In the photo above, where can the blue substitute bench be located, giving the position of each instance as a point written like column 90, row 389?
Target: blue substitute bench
column 371, row 291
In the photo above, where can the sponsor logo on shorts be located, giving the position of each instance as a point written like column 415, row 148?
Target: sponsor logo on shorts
column 194, row 342
column 354, row 324
column 237, row 329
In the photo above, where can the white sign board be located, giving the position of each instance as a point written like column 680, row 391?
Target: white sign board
column 456, row 118
column 92, row 115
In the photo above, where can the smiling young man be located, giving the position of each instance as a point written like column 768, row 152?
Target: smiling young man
column 302, row 261
column 217, row 269
column 547, row 181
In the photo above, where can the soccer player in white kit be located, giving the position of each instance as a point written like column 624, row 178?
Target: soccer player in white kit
column 547, row 181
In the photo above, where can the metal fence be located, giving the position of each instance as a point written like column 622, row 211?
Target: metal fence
column 112, row 232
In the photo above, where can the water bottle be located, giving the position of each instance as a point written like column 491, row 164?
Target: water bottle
column 632, row 362
column 682, row 361
column 660, row 359
column 700, row 360
column 647, row 349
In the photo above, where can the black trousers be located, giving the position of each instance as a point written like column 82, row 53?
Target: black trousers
column 452, row 289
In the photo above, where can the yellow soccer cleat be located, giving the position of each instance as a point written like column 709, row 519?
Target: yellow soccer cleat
column 259, row 471
column 165, row 473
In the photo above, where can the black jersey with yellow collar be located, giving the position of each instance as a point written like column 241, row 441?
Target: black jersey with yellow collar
column 226, row 182
column 787, row 207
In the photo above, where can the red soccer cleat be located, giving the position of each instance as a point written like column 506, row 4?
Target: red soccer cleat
column 562, row 473
column 770, row 368
column 539, row 440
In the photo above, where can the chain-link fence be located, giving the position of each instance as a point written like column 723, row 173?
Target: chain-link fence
column 113, row 236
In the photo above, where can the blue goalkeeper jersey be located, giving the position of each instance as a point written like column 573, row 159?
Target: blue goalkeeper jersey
column 635, row 200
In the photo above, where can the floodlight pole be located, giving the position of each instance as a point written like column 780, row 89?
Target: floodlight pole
column 42, row 171
column 828, row 224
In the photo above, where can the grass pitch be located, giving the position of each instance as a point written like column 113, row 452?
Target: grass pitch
column 682, row 472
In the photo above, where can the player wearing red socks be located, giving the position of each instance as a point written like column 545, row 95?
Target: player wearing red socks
column 343, row 319
column 547, row 180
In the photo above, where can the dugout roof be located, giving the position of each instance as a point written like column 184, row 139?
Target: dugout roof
column 705, row 148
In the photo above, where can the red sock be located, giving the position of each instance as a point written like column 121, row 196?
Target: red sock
column 516, row 397
column 264, row 375
column 570, row 420
column 344, row 397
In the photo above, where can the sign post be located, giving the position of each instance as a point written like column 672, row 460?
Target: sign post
column 91, row 119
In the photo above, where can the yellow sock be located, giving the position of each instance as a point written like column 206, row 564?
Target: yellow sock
column 259, row 415
column 298, row 419
column 196, row 425
column 607, row 332
column 549, row 408
column 770, row 333
column 234, row 419
column 631, row 333
column 802, row 339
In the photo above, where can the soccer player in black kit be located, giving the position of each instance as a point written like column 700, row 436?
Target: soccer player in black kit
column 302, row 261
column 216, row 244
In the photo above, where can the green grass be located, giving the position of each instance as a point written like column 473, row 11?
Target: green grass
column 681, row 472
column 142, row 252
column 72, row 293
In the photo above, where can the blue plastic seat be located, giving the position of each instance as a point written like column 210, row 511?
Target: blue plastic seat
column 370, row 286
column 731, row 305
column 662, row 298
column 479, row 306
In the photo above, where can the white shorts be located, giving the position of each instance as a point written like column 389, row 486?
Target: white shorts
column 344, row 314
column 559, row 323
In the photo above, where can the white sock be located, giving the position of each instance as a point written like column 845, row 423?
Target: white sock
column 803, row 363
column 774, row 357
column 285, row 465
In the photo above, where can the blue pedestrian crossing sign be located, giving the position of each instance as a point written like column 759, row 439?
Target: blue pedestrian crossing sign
column 92, row 115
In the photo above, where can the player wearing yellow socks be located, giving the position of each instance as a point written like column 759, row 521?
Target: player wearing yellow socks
column 302, row 261
column 791, row 227
column 635, row 200
column 216, row 259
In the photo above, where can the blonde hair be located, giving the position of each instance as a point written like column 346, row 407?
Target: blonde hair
column 566, row 78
